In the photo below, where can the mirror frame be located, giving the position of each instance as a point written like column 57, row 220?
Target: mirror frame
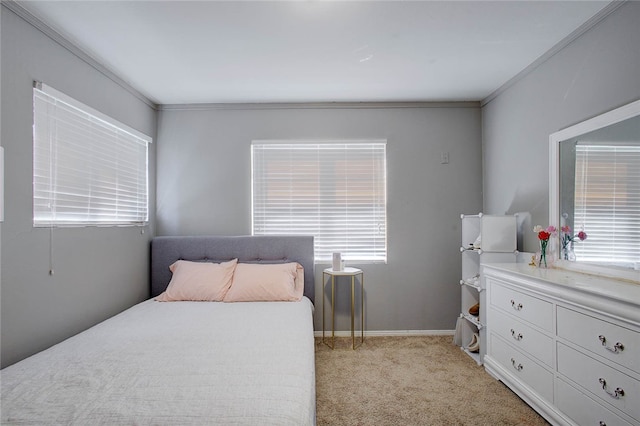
column 608, row 118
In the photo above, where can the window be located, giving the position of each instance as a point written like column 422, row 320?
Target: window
column 88, row 169
column 335, row 191
column 607, row 202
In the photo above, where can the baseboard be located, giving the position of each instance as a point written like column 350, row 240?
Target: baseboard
column 372, row 333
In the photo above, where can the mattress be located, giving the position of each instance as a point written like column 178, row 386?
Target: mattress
column 248, row 363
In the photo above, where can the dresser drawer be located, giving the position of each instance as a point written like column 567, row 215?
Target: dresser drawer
column 618, row 344
column 520, row 335
column 582, row 409
column 602, row 381
column 522, row 367
column 521, row 305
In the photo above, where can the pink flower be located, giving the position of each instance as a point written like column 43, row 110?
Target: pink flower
column 582, row 235
column 551, row 229
column 566, row 229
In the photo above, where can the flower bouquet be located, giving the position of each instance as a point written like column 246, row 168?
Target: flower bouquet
column 544, row 234
column 567, row 241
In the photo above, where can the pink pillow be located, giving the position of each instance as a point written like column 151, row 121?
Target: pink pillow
column 199, row 281
column 273, row 282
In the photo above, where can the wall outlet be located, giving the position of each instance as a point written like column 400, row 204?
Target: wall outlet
column 444, row 158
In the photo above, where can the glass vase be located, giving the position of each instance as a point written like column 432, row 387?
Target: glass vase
column 543, row 254
column 568, row 253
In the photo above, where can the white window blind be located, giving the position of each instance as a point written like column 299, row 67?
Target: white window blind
column 335, row 191
column 88, row 169
column 607, row 203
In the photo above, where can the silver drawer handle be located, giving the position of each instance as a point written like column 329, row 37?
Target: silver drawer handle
column 516, row 336
column 518, row 367
column 601, row 423
column 516, row 307
column 617, row 393
column 616, row 349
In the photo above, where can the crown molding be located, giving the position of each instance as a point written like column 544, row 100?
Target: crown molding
column 597, row 18
column 38, row 24
column 315, row 105
column 15, row 7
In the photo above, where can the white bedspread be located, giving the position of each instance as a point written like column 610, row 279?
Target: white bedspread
column 174, row 363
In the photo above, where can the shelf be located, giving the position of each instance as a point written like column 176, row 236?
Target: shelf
column 474, row 355
column 472, row 284
column 477, row 216
column 463, row 249
column 473, row 320
column 487, row 239
column 480, row 251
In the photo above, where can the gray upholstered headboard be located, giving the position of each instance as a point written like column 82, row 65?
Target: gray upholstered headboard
column 248, row 249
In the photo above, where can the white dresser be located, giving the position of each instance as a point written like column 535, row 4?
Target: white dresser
column 567, row 343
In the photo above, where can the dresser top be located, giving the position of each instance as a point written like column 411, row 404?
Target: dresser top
column 620, row 290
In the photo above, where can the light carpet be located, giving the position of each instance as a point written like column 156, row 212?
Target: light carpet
column 424, row 380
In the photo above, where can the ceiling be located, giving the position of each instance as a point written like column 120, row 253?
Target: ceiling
column 176, row 52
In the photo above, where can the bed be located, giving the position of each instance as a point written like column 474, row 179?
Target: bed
column 188, row 362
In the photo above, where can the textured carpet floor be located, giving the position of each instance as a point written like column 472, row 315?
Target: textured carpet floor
column 411, row 381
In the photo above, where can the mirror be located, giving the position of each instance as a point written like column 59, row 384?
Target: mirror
column 595, row 188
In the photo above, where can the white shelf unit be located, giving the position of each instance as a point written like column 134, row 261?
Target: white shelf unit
column 497, row 243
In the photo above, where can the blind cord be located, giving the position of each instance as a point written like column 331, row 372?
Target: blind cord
column 51, row 271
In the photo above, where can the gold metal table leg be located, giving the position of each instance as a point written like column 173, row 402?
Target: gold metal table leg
column 333, row 312
column 324, row 282
column 353, row 293
column 324, row 286
column 361, row 308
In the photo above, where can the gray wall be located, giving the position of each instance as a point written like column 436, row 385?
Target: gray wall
column 204, row 188
column 597, row 72
column 98, row 271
